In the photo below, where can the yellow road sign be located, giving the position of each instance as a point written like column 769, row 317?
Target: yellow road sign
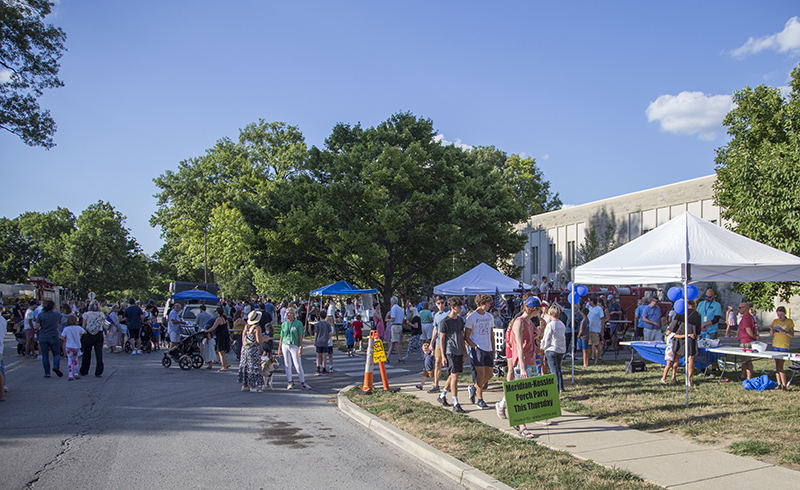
column 378, row 354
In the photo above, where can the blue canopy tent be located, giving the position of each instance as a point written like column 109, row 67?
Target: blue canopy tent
column 341, row 288
column 197, row 295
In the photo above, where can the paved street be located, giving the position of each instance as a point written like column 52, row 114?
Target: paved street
column 144, row 426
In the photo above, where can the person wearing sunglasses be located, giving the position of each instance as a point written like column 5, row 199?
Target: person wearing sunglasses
column 710, row 313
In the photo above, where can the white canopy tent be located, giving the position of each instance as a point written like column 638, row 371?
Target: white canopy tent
column 481, row 279
column 689, row 249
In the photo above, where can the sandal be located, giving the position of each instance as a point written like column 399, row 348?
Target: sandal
column 526, row 434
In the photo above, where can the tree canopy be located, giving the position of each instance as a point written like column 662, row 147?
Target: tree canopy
column 93, row 252
column 29, row 62
column 206, row 196
column 758, row 176
column 387, row 207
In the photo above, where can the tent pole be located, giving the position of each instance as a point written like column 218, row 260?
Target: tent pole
column 572, row 319
column 686, row 278
column 686, row 337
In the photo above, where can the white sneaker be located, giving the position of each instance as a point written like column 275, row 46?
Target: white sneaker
column 305, row 386
column 289, row 386
column 501, row 410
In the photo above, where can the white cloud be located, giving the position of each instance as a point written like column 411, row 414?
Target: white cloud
column 690, row 113
column 785, row 41
column 545, row 157
column 439, row 138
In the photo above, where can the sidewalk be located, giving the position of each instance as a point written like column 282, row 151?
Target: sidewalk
column 660, row 459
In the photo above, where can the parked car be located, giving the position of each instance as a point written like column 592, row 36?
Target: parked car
column 189, row 312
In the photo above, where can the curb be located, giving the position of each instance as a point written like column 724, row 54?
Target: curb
column 439, row 461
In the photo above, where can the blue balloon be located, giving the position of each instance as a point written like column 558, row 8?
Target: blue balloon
column 675, row 293
column 692, row 292
column 680, row 307
column 569, row 286
column 582, row 290
column 574, row 298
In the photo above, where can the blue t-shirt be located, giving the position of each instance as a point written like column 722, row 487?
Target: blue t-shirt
column 350, row 336
column 652, row 313
column 428, row 362
column 707, row 313
column 639, row 311
column 133, row 314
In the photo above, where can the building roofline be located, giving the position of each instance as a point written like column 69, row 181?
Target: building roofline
column 621, row 196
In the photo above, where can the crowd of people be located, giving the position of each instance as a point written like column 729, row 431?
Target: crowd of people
column 442, row 333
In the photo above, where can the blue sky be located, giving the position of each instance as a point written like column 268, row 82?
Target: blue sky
column 609, row 97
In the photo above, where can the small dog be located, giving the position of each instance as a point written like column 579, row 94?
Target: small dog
column 268, row 366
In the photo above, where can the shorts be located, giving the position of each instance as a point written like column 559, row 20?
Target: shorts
column 778, row 349
column 397, row 332
column 357, row 338
column 455, row 364
column 531, row 370
column 594, row 338
column 330, row 349
column 322, row 350
column 134, row 333
column 581, row 344
column 481, row 358
column 29, row 333
column 174, row 336
column 351, row 346
column 428, row 374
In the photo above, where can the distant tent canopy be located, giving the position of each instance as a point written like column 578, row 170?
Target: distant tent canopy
column 341, row 288
column 196, row 294
column 693, row 249
column 690, row 249
column 481, row 279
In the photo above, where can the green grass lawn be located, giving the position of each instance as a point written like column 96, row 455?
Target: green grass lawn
column 519, row 463
column 764, row 425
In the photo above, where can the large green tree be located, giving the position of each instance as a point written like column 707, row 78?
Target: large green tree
column 15, row 252
column 388, row 206
column 101, row 255
column 202, row 201
column 758, row 176
column 29, row 62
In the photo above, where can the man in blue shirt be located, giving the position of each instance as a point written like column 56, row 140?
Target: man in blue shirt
column 710, row 314
column 652, row 321
column 638, row 320
column 133, row 316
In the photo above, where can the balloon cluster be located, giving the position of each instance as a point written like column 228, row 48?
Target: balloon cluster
column 575, row 296
column 675, row 294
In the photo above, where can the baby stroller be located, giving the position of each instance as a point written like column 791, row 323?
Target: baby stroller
column 20, row 336
column 146, row 337
column 187, row 353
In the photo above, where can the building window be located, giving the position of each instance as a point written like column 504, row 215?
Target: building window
column 534, row 261
column 551, row 266
column 570, row 255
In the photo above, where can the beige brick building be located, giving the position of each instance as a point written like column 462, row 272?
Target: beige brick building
column 554, row 237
